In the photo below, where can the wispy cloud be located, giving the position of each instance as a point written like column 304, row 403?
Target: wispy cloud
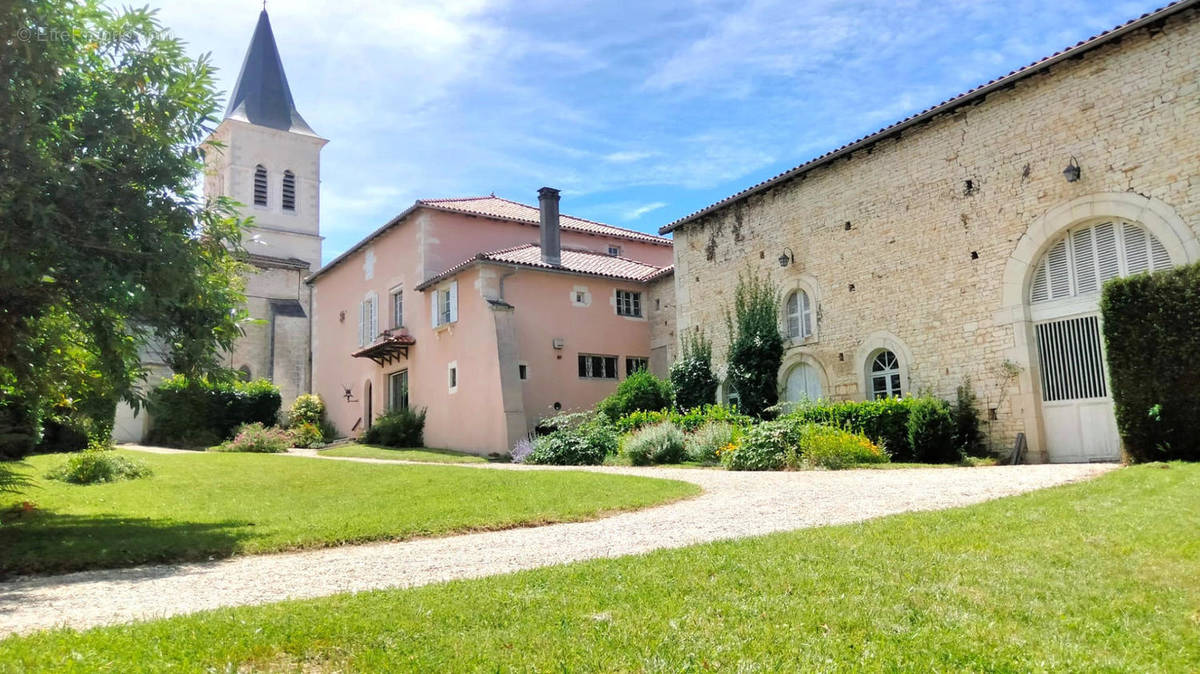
column 635, row 213
column 637, row 122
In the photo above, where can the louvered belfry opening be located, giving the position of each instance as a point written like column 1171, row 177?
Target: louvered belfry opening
column 1071, row 360
column 260, row 185
column 289, row 191
column 1086, row 257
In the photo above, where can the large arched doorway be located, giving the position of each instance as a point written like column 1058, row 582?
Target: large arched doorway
column 1064, row 307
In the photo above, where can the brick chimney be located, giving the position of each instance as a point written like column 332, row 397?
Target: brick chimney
column 551, row 246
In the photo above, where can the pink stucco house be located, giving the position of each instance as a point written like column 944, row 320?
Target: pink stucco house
column 488, row 313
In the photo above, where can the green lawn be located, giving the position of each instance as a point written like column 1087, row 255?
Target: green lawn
column 414, row 454
column 1094, row 576
column 197, row 506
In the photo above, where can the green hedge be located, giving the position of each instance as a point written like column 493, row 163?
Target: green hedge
column 1152, row 337
column 910, row 429
column 200, row 413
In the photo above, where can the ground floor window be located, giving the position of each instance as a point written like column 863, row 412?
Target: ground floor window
column 597, row 367
column 633, row 364
column 398, row 390
column 885, row 375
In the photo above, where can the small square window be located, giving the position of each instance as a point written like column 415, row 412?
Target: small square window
column 614, row 250
column 523, row 371
column 597, row 367
column 452, row 376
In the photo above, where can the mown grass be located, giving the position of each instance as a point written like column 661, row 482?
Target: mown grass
column 208, row 505
column 424, row 454
column 1093, row 576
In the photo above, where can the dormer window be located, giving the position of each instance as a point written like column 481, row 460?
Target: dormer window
column 289, row 191
column 615, row 251
column 260, row 185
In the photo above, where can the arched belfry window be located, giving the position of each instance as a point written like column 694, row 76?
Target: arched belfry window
column 799, row 315
column 883, row 372
column 260, row 185
column 1085, row 257
column 289, row 191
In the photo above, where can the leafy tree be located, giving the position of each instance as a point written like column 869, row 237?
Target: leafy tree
column 755, row 345
column 105, row 248
column 692, row 373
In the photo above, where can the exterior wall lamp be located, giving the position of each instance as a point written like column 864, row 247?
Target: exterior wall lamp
column 787, row 257
column 1072, row 172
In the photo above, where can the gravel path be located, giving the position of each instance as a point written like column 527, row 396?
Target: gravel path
column 733, row 505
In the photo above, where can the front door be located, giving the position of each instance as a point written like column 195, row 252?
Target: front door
column 1077, row 409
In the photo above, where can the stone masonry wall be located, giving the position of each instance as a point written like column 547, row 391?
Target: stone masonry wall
column 906, row 242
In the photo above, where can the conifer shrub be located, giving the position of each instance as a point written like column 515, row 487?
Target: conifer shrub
column 1152, row 343
column 968, row 439
column 755, row 344
column 931, row 431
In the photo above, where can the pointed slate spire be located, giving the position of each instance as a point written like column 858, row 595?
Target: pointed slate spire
column 262, row 95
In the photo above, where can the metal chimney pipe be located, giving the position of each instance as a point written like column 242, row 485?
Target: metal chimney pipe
column 551, row 244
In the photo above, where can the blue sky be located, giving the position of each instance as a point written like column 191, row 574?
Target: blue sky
column 639, row 112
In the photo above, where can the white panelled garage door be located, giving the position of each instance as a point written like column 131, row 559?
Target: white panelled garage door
column 1076, row 408
column 1064, row 298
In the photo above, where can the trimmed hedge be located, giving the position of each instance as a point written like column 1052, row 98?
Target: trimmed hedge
column 640, row 391
column 910, row 429
column 201, row 413
column 1152, row 338
column 399, row 428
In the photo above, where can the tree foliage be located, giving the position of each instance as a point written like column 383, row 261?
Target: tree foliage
column 755, row 344
column 692, row 373
column 106, row 249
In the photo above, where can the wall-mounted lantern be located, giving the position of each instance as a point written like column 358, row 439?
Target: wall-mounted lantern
column 786, row 257
column 1072, row 172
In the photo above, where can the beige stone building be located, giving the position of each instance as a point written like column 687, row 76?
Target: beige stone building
column 971, row 240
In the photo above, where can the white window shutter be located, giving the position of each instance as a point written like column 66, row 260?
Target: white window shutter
column 1137, row 253
column 374, row 322
column 1106, row 251
column 1059, row 270
column 433, row 308
column 453, row 301
column 362, row 322
column 1083, row 257
column 805, row 315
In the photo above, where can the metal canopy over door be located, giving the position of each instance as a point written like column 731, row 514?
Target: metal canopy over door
column 1076, row 408
column 1064, row 298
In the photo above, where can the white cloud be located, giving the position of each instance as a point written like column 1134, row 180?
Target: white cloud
column 635, row 213
column 627, row 156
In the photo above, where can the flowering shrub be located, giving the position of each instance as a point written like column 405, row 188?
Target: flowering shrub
column 771, row 445
column 307, row 409
column 661, row 443
column 790, row 443
column 835, row 448
column 521, row 451
column 97, row 465
column 691, row 373
column 706, row 443
column 257, row 438
column 307, row 434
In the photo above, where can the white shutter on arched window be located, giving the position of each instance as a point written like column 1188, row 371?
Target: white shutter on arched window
column 1081, row 261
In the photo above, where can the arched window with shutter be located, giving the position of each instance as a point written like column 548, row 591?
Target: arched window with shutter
column 260, row 185
column 1085, row 257
column 798, row 310
column 289, row 191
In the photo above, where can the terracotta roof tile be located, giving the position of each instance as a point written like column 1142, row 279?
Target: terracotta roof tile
column 496, row 207
column 574, row 261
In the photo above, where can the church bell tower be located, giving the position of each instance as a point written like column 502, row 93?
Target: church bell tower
column 267, row 158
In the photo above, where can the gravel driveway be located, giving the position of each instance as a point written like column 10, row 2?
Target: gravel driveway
column 732, row 505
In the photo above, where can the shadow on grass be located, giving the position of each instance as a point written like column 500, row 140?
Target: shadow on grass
column 432, row 450
column 42, row 542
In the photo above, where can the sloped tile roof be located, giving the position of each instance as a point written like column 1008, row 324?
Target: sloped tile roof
column 573, row 261
column 945, row 106
column 495, row 207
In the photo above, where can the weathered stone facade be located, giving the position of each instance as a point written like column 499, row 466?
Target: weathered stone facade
column 923, row 241
column 660, row 298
